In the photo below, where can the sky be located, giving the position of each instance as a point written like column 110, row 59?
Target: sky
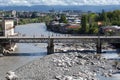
column 57, row 2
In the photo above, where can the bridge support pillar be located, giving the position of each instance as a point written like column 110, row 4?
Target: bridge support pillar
column 99, row 47
column 50, row 47
column 1, row 49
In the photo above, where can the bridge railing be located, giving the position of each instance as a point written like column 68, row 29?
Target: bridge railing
column 87, row 34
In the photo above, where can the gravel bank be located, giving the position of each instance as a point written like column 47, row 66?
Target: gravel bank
column 69, row 66
column 73, row 47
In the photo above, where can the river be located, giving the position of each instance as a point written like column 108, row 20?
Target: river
column 25, row 52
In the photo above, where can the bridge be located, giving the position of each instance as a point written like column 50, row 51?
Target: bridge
column 60, row 39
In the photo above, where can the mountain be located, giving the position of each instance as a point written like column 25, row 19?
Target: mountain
column 57, row 2
column 45, row 8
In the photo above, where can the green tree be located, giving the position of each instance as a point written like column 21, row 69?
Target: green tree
column 104, row 16
column 92, row 19
column 83, row 24
column 63, row 19
column 34, row 15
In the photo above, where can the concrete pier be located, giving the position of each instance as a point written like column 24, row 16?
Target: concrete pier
column 1, row 49
column 99, row 47
column 50, row 47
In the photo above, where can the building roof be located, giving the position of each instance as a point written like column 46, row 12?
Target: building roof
column 72, row 26
column 111, row 27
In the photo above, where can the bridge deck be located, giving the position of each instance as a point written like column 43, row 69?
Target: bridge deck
column 59, row 39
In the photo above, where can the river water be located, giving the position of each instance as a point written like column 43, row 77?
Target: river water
column 26, row 52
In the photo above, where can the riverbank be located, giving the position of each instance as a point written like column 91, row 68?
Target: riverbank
column 69, row 66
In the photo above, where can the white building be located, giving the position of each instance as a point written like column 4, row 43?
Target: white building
column 13, row 13
column 73, row 19
column 8, row 27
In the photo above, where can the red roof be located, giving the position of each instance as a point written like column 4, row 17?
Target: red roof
column 72, row 26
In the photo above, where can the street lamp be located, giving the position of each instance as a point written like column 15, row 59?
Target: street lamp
column 99, row 41
column 99, row 25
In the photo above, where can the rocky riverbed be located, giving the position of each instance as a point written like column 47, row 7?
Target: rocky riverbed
column 69, row 66
column 73, row 47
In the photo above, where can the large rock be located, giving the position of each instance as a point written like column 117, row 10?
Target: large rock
column 10, row 75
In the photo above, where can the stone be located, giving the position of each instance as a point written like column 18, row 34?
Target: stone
column 105, row 74
column 10, row 75
column 1, row 55
column 58, row 77
column 80, row 56
column 69, row 64
column 92, row 63
column 68, row 78
column 118, row 68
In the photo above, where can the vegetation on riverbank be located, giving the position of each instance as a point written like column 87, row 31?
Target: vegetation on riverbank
column 35, row 19
column 89, row 22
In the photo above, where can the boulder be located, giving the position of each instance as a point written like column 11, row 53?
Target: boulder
column 10, row 75
column 68, row 78
column 1, row 55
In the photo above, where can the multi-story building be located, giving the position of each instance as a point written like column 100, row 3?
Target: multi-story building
column 8, row 27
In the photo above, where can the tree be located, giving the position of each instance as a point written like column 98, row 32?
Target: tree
column 83, row 23
column 34, row 15
column 63, row 19
column 92, row 19
column 104, row 15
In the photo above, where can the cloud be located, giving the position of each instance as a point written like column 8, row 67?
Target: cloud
column 57, row 2
column 13, row 2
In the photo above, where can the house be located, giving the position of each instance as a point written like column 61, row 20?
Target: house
column 72, row 26
column 68, row 27
column 73, row 19
column 77, row 21
column 108, row 29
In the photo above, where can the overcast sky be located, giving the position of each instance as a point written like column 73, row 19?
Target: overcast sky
column 58, row 2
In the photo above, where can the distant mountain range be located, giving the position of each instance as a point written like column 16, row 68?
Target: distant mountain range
column 44, row 8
